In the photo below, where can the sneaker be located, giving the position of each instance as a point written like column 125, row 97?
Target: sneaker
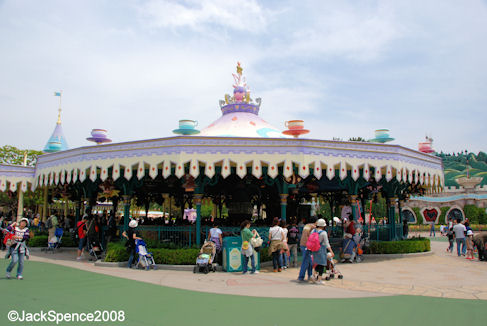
column 319, row 282
column 254, row 272
column 275, row 271
column 243, row 273
column 7, row 275
column 279, row 270
column 78, row 258
column 20, row 277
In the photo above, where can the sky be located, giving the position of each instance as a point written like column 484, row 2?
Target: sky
column 344, row 67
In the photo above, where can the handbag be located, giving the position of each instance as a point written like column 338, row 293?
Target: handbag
column 257, row 241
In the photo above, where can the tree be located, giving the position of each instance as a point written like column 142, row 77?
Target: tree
column 15, row 156
column 360, row 139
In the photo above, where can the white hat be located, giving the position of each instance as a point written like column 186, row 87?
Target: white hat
column 336, row 219
column 321, row 222
column 26, row 221
column 469, row 232
column 133, row 224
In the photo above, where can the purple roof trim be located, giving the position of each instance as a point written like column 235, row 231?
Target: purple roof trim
column 251, row 146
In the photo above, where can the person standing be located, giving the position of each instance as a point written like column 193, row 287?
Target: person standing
column 432, row 229
column 81, row 230
column 247, row 250
column 459, row 230
column 470, row 245
column 306, row 264
column 276, row 236
column 216, row 235
column 320, row 257
column 449, row 234
column 131, row 235
column 18, row 249
column 52, row 223
column 292, row 243
column 284, row 257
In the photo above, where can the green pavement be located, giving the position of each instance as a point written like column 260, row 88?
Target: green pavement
column 64, row 289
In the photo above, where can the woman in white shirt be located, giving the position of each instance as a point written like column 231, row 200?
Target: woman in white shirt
column 276, row 235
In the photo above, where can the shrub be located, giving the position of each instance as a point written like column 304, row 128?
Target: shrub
column 38, row 241
column 118, row 252
column 41, row 241
column 399, row 247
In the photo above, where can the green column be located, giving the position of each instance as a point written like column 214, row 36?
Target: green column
column 197, row 201
column 126, row 211
column 77, row 212
column 283, row 206
column 392, row 221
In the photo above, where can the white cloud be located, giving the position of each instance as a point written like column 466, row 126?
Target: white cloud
column 246, row 16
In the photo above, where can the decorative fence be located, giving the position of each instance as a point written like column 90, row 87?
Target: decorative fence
column 185, row 236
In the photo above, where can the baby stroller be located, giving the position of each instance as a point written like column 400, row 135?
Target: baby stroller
column 95, row 248
column 55, row 242
column 145, row 259
column 204, row 261
column 331, row 268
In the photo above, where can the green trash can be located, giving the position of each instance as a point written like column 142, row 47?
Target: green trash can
column 232, row 255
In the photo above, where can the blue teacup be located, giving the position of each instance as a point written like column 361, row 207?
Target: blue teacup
column 188, row 124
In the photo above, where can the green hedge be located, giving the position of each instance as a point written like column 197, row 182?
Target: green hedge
column 41, row 241
column 117, row 252
column 398, row 247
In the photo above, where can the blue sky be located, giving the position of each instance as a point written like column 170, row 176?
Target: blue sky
column 345, row 67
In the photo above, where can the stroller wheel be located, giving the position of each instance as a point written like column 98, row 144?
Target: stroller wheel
column 332, row 275
column 340, row 276
column 327, row 278
column 195, row 269
column 206, row 270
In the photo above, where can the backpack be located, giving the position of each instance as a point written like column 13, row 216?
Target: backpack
column 293, row 235
column 313, row 244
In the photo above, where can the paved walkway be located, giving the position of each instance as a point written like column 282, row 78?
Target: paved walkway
column 438, row 275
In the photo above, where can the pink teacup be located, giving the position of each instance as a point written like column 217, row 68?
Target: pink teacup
column 294, row 124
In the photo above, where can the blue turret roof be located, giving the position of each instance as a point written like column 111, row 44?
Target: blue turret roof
column 57, row 142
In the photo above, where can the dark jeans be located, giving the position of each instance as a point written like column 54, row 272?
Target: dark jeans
column 132, row 257
column 246, row 263
column 275, row 260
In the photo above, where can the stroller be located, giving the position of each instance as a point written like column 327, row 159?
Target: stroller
column 145, row 259
column 55, row 242
column 204, row 261
column 331, row 268
column 95, row 248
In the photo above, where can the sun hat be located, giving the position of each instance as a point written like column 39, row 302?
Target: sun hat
column 321, row 222
column 469, row 232
column 133, row 224
column 25, row 220
column 336, row 219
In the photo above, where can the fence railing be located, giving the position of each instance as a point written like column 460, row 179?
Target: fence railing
column 185, row 236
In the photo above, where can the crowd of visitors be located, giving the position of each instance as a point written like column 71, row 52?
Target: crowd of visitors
column 459, row 231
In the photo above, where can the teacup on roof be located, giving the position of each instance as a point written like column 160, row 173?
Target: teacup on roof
column 382, row 136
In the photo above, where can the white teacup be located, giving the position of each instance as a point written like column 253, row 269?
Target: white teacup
column 98, row 133
column 382, row 133
column 188, row 124
column 294, row 124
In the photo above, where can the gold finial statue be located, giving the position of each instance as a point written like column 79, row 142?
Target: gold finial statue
column 239, row 68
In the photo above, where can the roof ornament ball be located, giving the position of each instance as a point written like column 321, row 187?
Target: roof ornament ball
column 381, row 136
column 99, row 136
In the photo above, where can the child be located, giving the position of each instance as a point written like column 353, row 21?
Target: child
column 449, row 234
column 470, row 245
